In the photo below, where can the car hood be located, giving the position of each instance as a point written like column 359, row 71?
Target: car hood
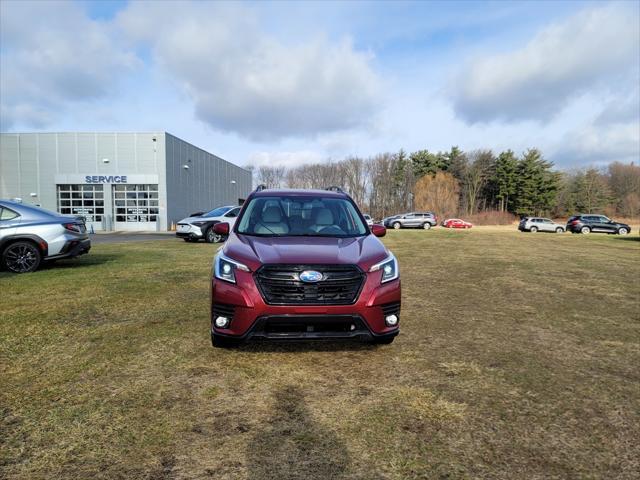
column 256, row 251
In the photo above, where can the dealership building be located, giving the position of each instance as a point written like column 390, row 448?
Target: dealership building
column 118, row 181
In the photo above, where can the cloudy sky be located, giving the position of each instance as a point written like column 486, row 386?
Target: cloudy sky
column 291, row 82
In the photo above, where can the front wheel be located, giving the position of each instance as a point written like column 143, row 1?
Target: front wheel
column 212, row 237
column 426, row 226
column 21, row 257
column 397, row 225
column 533, row 229
column 559, row 230
column 622, row 231
column 585, row 230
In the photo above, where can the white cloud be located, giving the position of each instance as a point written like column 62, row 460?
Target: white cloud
column 284, row 159
column 53, row 54
column 600, row 145
column 246, row 81
column 593, row 49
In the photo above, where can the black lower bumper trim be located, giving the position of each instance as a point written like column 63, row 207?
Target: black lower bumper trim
column 73, row 248
column 311, row 327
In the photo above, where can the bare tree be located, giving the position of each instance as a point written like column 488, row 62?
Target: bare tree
column 272, row 177
column 439, row 192
column 475, row 177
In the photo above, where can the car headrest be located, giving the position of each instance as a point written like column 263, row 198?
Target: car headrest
column 325, row 217
column 271, row 215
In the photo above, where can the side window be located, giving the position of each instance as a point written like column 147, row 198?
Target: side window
column 6, row 214
column 410, row 215
column 232, row 213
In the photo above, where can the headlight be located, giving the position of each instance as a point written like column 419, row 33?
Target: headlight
column 389, row 268
column 225, row 268
column 198, row 224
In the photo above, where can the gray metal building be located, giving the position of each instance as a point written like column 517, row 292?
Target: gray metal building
column 118, row 181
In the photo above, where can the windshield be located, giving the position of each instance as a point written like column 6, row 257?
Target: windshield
column 301, row 216
column 217, row 212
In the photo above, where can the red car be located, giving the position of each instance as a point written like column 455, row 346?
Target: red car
column 303, row 264
column 456, row 223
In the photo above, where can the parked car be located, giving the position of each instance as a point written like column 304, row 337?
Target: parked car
column 368, row 219
column 303, row 264
column 424, row 220
column 456, row 223
column 535, row 224
column 596, row 224
column 386, row 221
column 30, row 235
column 200, row 227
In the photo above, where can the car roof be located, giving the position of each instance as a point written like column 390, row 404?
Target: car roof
column 298, row 192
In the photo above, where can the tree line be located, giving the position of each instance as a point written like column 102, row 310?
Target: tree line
column 458, row 183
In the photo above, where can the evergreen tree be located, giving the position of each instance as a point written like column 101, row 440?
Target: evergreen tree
column 424, row 163
column 536, row 186
column 504, row 179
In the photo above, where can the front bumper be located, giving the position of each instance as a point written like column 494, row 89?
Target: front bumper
column 251, row 316
column 192, row 232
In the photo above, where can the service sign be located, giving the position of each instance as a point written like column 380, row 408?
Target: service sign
column 105, row 179
column 121, row 178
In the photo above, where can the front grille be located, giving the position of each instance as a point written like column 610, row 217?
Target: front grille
column 280, row 284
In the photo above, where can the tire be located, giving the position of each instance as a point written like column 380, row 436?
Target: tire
column 212, row 237
column 585, row 230
column 559, row 230
column 383, row 341
column 188, row 240
column 218, row 341
column 21, row 257
column 426, row 226
column 533, row 229
column 396, row 225
column 622, row 231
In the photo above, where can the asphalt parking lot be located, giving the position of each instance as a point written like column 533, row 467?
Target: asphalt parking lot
column 102, row 238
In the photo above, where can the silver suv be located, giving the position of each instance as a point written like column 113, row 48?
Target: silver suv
column 29, row 235
column 535, row 224
column 424, row 220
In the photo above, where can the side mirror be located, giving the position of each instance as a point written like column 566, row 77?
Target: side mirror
column 378, row 230
column 221, row 228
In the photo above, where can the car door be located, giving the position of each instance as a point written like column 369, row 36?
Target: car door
column 409, row 220
column 607, row 225
column 546, row 225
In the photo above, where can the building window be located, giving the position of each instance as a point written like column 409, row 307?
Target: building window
column 135, row 203
column 84, row 200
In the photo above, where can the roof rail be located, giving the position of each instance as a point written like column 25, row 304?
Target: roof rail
column 334, row 188
column 260, row 187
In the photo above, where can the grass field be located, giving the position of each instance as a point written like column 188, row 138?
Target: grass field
column 518, row 358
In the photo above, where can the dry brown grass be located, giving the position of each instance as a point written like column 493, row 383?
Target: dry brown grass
column 518, row 358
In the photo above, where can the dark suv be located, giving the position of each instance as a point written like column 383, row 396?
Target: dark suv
column 303, row 264
column 596, row 223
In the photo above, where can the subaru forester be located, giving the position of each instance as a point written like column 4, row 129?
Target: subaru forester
column 303, row 264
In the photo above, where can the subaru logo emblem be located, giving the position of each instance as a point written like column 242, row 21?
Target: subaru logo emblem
column 310, row 276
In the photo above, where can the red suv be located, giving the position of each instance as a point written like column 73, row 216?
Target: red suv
column 303, row 264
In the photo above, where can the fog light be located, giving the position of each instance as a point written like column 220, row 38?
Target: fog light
column 391, row 320
column 222, row 322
